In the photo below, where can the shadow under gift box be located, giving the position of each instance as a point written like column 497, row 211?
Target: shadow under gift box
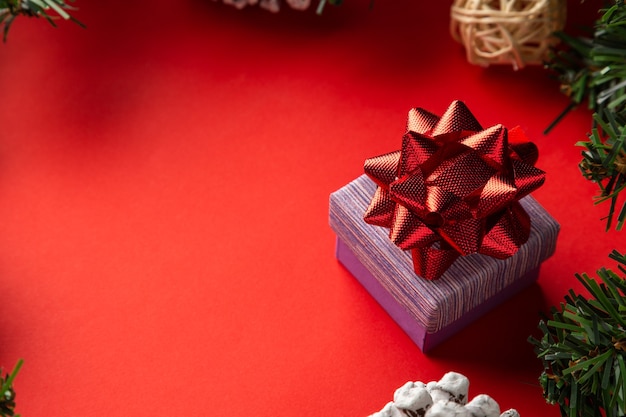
column 432, row 311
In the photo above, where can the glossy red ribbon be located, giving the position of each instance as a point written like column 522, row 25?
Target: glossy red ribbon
column 454, row 189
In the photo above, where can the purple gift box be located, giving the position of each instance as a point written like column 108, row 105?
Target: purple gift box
column 432, row 311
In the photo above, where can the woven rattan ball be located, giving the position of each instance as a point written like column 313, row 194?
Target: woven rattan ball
column 516, row 32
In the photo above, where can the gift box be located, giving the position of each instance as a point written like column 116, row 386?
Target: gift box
column 430, row 311
column 466, row 237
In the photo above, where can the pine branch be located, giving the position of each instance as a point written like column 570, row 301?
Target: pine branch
column 594, row 69
column 11, row 9
column 604, row 162
column 583, row 348
column 7, row 394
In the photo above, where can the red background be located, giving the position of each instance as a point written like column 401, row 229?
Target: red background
column 164, row 182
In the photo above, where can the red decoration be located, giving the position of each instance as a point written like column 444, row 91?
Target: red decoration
column 454, row 189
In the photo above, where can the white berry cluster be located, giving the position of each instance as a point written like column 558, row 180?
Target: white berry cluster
column 444, row 398
column 271, row 5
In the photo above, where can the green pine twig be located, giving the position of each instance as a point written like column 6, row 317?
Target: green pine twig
column 11, row 9
column 604, row 163
column 7, row 393
column 594, row 69
column 583, row 347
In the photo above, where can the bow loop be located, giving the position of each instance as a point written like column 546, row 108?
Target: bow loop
column 453, row 189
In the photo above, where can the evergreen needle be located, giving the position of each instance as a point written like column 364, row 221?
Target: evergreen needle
column 594, row 69
column 583, row 347
column 10, row 9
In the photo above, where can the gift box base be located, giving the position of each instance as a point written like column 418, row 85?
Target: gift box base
column 424, row 340
column 430, row 311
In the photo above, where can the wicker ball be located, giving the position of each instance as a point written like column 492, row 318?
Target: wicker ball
column 516, row 32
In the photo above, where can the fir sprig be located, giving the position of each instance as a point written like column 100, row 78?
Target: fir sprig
column 7, row 393
column 594, row 69
column 11, row 9
column 583, row 348
column 604, row 162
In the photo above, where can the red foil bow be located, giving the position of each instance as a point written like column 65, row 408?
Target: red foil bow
column 454, row 189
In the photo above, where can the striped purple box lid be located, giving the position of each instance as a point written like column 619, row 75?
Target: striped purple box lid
column 431, row 311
